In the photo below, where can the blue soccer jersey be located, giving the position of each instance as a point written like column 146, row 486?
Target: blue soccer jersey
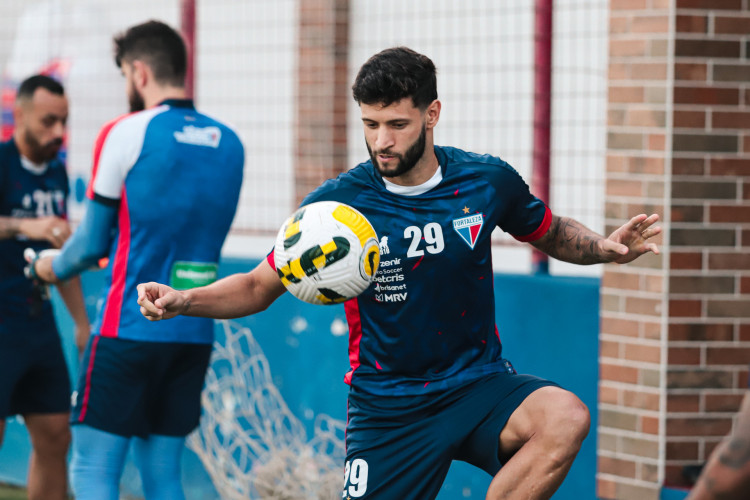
column 176, row 176
column 428, row 321
column 25, row 191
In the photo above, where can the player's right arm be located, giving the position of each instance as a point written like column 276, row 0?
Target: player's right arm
column 235, row 296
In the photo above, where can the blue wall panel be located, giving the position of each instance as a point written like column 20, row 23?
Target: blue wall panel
column 548, row 326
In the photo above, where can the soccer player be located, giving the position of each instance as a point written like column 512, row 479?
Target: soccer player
column 726, row 476
column 428, row 381
column 34, row 380
column 165, row 186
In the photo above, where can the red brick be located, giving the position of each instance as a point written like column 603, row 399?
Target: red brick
column 624, row 281
column 741, row 379
column 705, row 142
column 682, row 450
column 645, row 165
column 641, row 400
column 685, row 260
column 722, row 190
column 687, row 47
column 735, row 25
column 684, row 356
column 745, row 284
column 701, row 284
column 746, row 237
column 719, row 213
column 703, row 237
column 683, row 403
column 627, row 48
column 706, row 95
column 609, row 349
column 710, row 4
column 609, row 395
column 731, row 73
column 645, row 118
column 684, row 308
column 628, row 4
column 689, row 426
column 617, row 373
column 729, row 308
column 701, row 332
column 727, row 355
column 687, row 213
column 691, row 71
column 688, row 166
column 644, row 353
column 689, row 119
column 649, row 24
column 620, row 187
column 730, row 119
column 729, row 403
column 648, row 71
column 618, row 326
column 691, row 378
column 649, row 425
column 692, row 24
column 729, row 260
column 631, row 94
column 616, row 466
column 729, row 166
column 606, row 489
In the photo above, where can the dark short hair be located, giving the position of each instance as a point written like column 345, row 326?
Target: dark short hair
column 158, row 45
column 392, row 75
column 29, row 86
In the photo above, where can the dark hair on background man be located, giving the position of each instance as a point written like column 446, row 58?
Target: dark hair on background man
column 29, row 86
column 158, row 45
column 393, row 74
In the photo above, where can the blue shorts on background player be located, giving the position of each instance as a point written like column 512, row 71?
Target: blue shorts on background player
column 34, row 379
column 141, row 381
column 429, row 383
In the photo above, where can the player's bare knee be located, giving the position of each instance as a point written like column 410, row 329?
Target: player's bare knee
column 571, row 423
column 53, row 441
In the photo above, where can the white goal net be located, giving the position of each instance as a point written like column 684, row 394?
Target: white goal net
column 250, row 443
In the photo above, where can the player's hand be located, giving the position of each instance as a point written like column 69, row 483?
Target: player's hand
column 39, row 266
column 49, row 228
column 159, row 301
column 630, row 241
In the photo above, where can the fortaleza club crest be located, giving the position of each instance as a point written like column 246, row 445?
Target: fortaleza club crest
column 468, row 228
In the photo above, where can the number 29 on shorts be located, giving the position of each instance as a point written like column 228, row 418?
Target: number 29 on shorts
column 355, row 478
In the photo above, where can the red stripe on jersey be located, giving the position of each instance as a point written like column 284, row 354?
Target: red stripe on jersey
column 351, row 308
column 89, row 370
column 113, row 307
column 98, row 146
column 541, row 230
column 271, row 261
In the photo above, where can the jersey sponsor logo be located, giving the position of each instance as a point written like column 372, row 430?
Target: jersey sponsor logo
column 468, row 228
column 199, row 136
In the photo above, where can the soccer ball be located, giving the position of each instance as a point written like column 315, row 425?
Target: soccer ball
column 326, row 253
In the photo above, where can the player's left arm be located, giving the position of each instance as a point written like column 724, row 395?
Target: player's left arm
column 570, row 241
column 72, row 294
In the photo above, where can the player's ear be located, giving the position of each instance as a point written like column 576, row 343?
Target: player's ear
column 432, row 114
column 141, row 73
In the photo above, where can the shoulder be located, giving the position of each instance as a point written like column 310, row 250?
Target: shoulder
column 346, row 186
column 491, row 168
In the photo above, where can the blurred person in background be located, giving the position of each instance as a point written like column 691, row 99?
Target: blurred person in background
column 726, row 476
column 34, row 380
column 164, row 190
column 428, row 381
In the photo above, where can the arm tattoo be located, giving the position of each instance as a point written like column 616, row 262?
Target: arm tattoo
column 571, row 241
column 736, row 454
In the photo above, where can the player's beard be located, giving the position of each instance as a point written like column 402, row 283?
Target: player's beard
column 43, row 152
column 135, row 100
column 406, row 161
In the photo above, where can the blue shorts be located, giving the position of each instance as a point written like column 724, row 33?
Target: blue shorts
column 33, row 374
column 402, row 447
column 133, row 388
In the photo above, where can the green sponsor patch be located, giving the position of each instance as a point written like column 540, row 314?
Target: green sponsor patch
column 192, row 274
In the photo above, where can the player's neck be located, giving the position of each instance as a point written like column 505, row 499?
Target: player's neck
column 157, row 95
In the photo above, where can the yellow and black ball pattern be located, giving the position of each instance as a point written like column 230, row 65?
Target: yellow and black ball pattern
column 326, row 253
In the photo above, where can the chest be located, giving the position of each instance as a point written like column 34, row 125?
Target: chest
column 24, row 194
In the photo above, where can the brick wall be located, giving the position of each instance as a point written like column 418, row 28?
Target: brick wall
column 675, row 329
column 322, row 93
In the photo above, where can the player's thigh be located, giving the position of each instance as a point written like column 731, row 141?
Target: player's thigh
column 402, row 461
column 113, row 384
column 176, row 400
column 548, row 411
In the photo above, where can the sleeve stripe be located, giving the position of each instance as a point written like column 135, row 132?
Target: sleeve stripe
column 110, row 202
column 541, row 230
column 98, row 145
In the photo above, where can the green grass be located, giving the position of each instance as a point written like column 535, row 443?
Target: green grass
column 8, row 492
